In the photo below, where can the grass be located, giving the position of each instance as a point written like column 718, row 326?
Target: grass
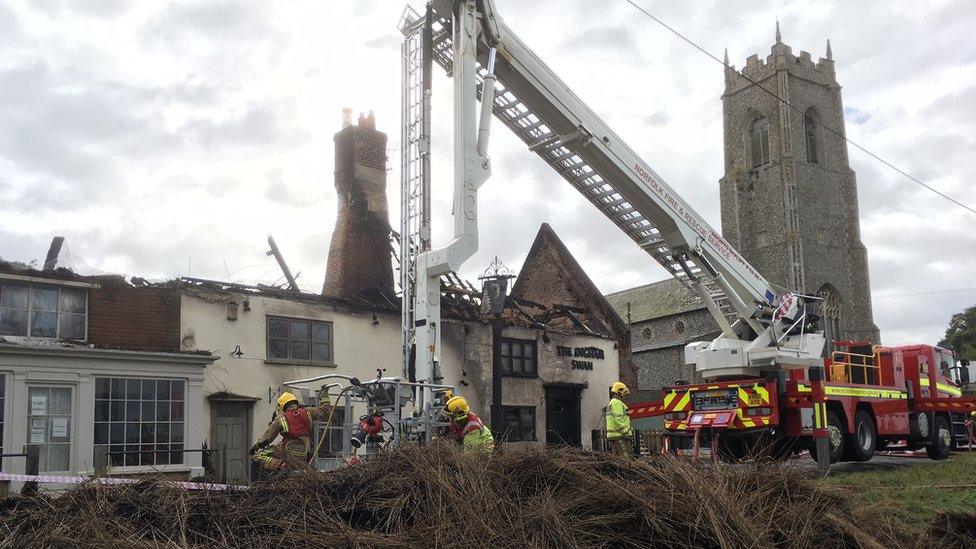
column 911, row 496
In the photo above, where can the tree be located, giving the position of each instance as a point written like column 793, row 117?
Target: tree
column 960, row 336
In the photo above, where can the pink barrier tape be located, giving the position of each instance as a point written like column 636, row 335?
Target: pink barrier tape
column 114, row 480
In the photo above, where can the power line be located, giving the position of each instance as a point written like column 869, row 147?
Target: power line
column 790, row 105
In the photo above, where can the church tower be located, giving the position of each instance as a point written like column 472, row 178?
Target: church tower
column 789, row 196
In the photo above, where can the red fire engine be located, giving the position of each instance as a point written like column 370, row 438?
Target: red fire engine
column 873, row 397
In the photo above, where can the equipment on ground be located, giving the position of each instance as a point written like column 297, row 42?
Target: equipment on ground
column 390, row 417
column 767, row 366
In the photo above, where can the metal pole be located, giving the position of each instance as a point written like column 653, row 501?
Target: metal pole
column 821, row 434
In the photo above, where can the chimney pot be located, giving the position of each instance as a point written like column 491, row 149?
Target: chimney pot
column 346, row 117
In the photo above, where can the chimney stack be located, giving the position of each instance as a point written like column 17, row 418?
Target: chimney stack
column 360, row 263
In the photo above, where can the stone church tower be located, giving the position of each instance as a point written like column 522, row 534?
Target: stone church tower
column 789, row 196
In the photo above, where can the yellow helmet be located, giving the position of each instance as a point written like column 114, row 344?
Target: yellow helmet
column 620, row 389
column 284, row 399
column 458, row 407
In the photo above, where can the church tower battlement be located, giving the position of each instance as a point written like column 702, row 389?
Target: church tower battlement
column 789, row 196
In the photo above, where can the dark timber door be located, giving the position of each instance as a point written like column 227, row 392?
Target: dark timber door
column 229, row 430
column 563, row 414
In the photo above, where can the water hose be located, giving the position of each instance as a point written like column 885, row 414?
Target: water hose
column 328, row 424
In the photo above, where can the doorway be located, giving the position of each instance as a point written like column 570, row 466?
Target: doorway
column 563, row 414
column 230, row 427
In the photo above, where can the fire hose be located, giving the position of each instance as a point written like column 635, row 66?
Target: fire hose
column 328, row 424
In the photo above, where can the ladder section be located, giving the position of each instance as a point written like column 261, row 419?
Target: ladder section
column 414, row 237
column 555, row 150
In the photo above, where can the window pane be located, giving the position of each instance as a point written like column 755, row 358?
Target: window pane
column 277, row 328
column 132, row 410
column 516, row 349
column 101, row 433
column 13, row 296
column 44, row 324
column 101, row 387
column 299, row 350
column 162, row 432
column 60, row 401
column 58, row 457
column 321, row 352
column 162, row 454
column 177, row 455
column 148, row 433
column 44, row 299
column 133, row 388
column 147, row 457
column 117, row 433
column 72, row 326
column 113, row 458
column 176, row 411
column 299, row 330
column 118, row 389
column 132, row 432
column 162, row 411
column 13, row 322
column 117, row 411
column 321, row 332
column 72, row 301
column 162, row 389
column 148, row 411
column 176, row 390
column 60, row 429
column 132, row 454
column 176, row 431
column 506, row 349
column 277, row 348
column 148, row 389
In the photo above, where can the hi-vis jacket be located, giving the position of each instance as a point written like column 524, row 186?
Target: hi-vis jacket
column 473, row 434
column 618, row 422
column 295, row 428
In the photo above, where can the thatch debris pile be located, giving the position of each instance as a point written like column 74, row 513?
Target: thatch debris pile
column 439, row 497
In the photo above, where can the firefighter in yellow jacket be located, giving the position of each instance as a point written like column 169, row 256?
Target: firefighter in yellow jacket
column 294, row 424
column 620, row 434
column 467, row 428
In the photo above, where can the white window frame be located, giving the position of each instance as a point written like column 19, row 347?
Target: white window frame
column 30, row 310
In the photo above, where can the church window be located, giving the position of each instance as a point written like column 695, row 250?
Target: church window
column 830, row 312
column 759, row 142
column 679, row 327
column 810, row 133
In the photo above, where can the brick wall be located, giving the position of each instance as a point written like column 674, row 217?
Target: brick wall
column 133, row 317
column 360, row 263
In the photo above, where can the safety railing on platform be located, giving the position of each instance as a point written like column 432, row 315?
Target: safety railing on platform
column 850, row 367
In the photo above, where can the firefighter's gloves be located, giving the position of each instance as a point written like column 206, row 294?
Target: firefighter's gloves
column 257, row 446
column 325, row 400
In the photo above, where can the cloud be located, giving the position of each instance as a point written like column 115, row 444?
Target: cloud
column 132, row 129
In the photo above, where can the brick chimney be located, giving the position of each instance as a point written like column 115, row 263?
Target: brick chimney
column 360, row 263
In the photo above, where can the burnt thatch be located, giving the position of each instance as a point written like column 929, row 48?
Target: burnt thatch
column 438, row 497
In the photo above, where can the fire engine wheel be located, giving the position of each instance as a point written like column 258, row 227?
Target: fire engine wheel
column 941, row 440
column 835, row 432
column 865, row 437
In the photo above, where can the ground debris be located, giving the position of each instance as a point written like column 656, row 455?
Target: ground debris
column 439, row 497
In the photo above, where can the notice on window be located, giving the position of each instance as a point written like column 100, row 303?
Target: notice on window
column 38, row 405
column 59, row 427
column 37, row 431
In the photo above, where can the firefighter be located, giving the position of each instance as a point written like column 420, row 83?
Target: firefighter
column 467, row 429
column 294, row 424
column 620, row 434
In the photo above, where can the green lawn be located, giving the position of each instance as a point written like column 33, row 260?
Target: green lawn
column 910, row 496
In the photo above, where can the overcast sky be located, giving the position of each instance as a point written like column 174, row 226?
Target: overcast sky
column 168, row 138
